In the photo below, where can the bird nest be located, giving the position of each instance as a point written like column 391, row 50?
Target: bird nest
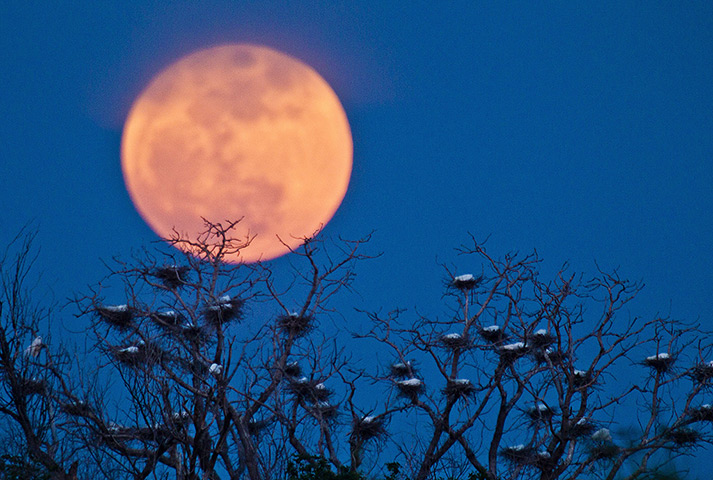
column 512, row 351
column 580, row 378
column 137, row 354
column 293, row 369
column 117, row 316
column 167, row 318
column 704, row 413
column 466, row 282
column 194, row 333
column 703, row 372
column 456, row 341
column 458, row 388
column 76, row 408
column 602, row 451
column 661, row 362
column 492, row 334
column 541, row 339
column 582, row 428
column 324, row 410
column 255, row 427
column 172, row 276
column 540, row 413
column 225, row 310
column 401, row 369
column 542, row 355
column 309, row 390
column 410, row 388
column 295, row 324
column 368, row 427
column 33, row 386
column 683, row 436
column 519, row 455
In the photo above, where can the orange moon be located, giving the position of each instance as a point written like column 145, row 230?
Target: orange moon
column 238, row 131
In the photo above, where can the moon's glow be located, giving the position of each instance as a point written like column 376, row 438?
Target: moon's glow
column 238, row 131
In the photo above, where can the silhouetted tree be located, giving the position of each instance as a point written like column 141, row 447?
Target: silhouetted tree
column 199, row 368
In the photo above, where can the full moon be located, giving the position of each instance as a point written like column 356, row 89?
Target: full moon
column 238, row 131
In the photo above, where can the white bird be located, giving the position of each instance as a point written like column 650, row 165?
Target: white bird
column 215, row 369
column 35, row 347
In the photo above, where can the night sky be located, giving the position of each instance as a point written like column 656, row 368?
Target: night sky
column 583, row 132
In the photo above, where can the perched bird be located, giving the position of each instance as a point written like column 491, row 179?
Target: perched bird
column 35, row 347
column 215, row 369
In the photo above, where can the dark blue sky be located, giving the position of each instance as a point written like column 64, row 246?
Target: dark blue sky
column 585, row 132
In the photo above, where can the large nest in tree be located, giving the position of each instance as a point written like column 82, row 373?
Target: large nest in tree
column 76, row 408
column 512, row 351
column 172, row 276
column 117, row 316
column 456, row 341
column 492, row 334
column 458, row 388
column 580, row 378
column 703, row 372
column 324, row 410
column 704, row 413
column 540, row 412
column 466, row 282
column 141, row 353
column 683, row 436
column 368, row 427
column 33, row 386
column 543, row 461
column 554, row 356
column 309, row 390
column 410, row 388
column 293, row 369
column 167, row 318
column 255, row 427
column 602, row 451
column 295, row 324
column 194, row 333
column 582, row 428
column 541, row 339
column 661, row 362
column 518, row 455
column 401, row 369
column 154, row 433
column 225, row 310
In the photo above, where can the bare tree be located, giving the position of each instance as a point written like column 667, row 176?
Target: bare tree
column 27, row 407
column 199, row 390
column 529, row 378
column 199, row 368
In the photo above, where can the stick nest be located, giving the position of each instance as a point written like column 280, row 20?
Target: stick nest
column 683, row 436
column 493, row 334
column 703, row 372
column 466, row 283
column 223, row 311
column 117, row 316
column 459, row 388
column 172, row 276
column 400, row 370
column 661, row 362
column 456, row 341
column 368, row 427
column 295, row 324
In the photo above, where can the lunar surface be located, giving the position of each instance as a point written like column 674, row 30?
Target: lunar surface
column 238, row 131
